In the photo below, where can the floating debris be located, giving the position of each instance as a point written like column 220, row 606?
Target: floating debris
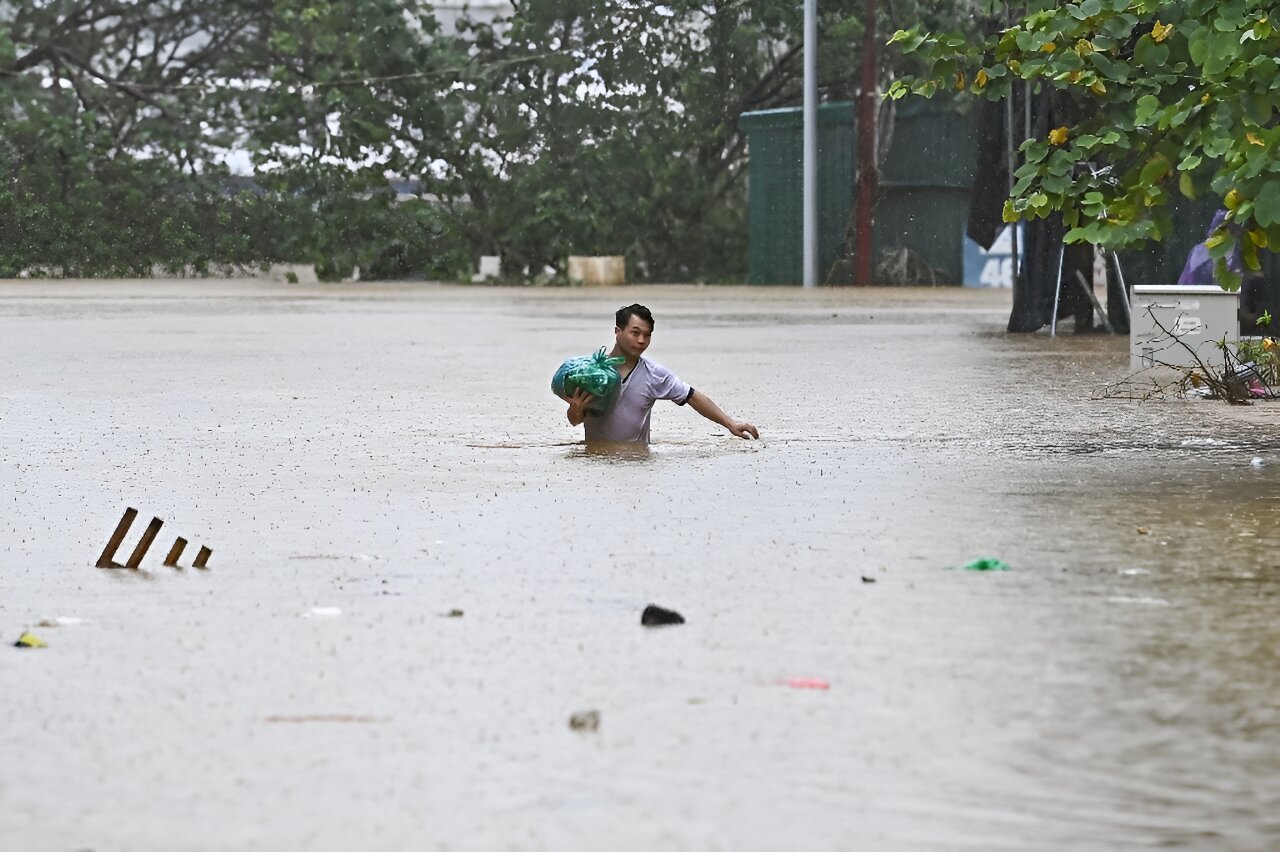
column 656, row 616
column 587, row 720
column 60, row 621
column 806, row 683
column 986, row 563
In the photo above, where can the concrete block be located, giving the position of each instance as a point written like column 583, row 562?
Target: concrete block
column 490, row 267
column 604, row 271
column 304, row 272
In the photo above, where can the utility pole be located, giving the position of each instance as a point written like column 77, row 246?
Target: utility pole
column 810, row 237
column 868, row 179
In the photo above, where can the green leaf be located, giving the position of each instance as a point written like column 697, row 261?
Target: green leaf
column 1259, row 107
column 1186, row 185
column 909, row 39
column 1057, row 184
column 1147, row 106
column 1150, row 55
column 1155, row 170
column 1266, row 204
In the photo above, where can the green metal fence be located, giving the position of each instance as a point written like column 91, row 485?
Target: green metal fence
column 924, row 189
column 775, row 140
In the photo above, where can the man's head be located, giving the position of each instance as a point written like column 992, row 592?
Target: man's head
column 633, row 327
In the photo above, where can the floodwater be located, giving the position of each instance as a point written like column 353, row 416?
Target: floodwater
column 365, row 459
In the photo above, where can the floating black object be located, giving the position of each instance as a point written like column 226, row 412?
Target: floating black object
column 656, row 616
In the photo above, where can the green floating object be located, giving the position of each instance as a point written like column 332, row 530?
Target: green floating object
column 986, row 563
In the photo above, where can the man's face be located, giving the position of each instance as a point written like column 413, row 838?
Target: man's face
column 633, row 339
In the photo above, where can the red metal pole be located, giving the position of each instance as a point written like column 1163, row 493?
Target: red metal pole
column 868, row 176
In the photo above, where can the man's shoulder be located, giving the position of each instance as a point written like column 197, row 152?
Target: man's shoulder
column 654, row 368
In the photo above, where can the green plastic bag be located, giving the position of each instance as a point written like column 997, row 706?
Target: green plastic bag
column 986, row 563
column 596, row 374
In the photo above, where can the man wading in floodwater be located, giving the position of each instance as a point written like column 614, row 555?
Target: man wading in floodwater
column 644, row 382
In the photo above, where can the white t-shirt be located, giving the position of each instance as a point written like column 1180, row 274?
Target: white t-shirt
column 628, row 419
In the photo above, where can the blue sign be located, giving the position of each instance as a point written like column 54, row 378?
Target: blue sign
column 991, row 267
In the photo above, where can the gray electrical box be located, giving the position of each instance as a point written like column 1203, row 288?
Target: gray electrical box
column 1162, row 318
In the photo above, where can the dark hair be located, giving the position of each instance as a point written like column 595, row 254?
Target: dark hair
column 624, row 315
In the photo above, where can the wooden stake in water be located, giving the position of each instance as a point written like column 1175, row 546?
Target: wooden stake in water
column 148, row 536
column 122, row 529
column 174, row 552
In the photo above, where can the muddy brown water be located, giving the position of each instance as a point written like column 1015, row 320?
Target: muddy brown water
column 394, row 452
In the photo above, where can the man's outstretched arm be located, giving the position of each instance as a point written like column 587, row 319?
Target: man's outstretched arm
column 706, row 406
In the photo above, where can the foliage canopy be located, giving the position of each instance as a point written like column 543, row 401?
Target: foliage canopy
column 565, row 127
column 1170, row 98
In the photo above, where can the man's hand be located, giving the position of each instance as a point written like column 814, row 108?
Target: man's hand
column 743, row 429
column 578, row 406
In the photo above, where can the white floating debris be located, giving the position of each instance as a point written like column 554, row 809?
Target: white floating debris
column 1142, row 601
column 60, row 621
column 322, row 612
column 1204, row 442
column 1257, row 463
column 1134, row 572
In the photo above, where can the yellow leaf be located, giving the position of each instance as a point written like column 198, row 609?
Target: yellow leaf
column 980, row 79
column 1255, row 139
column 1204, row 99
column 1098, row 88
column 1084, row 47
column 1216, row 240
column 1049, row 47
column 960, row 81
column 1259, row 238
column 1232, row 199
column 1058, row 135
column 1268, row 343
column 1160, row 32
column 1015, row 66
column 1249, row 252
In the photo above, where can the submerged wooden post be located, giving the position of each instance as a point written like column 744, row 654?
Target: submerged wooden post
column 174, row 552
column 202, row 557
column 148, row 536
column 122, row 528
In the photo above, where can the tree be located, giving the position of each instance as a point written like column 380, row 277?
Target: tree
column 571, row 127
column 612, row 127
column 1170, row 98
column 115, row 118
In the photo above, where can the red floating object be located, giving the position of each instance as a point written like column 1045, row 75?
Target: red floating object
column 806, row 683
